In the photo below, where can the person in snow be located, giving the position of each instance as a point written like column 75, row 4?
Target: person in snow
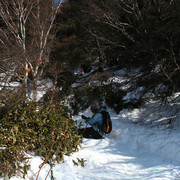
column 96, row 122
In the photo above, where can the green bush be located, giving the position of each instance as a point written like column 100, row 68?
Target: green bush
column 86, row 65
column 84, row 96
column 114, row 98
column 47, row 131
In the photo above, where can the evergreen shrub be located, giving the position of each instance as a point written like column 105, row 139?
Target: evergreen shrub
column 114, row 98
column 86, row 65
column 86, row 95
column 30, row 129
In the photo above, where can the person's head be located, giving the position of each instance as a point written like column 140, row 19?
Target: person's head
column 94, row 108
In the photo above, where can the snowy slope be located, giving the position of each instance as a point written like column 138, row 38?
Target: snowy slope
column 131, row 152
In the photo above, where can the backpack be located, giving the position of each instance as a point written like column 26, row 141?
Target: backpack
column 107, row 124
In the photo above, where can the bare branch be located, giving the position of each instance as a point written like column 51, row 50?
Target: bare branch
column 19, row 18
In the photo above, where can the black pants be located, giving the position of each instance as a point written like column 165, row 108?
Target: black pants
column 90, row 133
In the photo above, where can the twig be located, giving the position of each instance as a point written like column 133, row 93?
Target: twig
column 41, row 165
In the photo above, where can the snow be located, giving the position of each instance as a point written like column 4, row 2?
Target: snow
column 9, row 85
column 133, row 95
column 131, row 152
column 137, row 149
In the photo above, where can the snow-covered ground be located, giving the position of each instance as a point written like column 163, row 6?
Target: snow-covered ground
column 131, row 152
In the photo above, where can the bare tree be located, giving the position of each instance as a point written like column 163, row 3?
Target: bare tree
column 27, row 34
column 144, row 32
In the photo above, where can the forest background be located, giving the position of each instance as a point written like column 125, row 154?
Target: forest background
column 77, row 46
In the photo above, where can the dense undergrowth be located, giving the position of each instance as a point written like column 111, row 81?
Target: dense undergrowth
column 31, row 129
column 107, row 94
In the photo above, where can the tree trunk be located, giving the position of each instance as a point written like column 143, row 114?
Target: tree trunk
column 35, row 79
column 26, row 81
